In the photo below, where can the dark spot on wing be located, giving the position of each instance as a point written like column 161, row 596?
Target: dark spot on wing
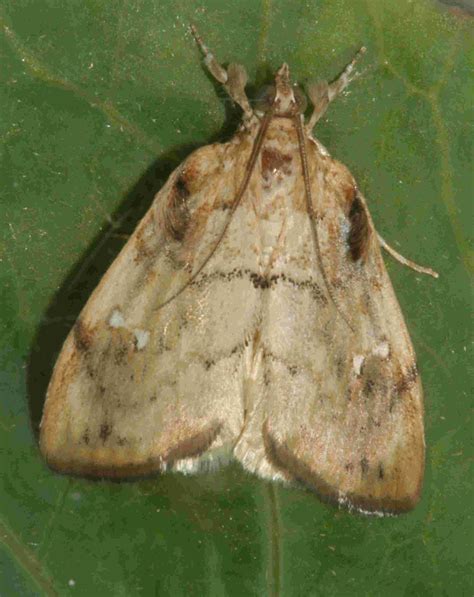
column 349, row 193
column 236, row 349
column 358, row 236
column 86, row 436
column 262, row 282
column 259, row 281
column 308, row 285
column 266, row 377
column 120, row 353
column 340, row 365
column 270, row 356
column 381, row 471
column 407, row 381
column 83, row 335
column 369, row 386
column 181, row 188
column 292, row 370
column 176, row 214
column 403, row 384
column 104, row 432
column 364, row 466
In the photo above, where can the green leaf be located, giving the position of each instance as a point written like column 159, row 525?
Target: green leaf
column 100, row 100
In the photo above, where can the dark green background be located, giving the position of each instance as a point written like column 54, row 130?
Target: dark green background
column 100, row 100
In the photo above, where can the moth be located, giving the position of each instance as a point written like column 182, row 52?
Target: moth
column 248, row 317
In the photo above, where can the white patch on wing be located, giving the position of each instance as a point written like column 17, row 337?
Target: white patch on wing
column 116, row 319
column 382, row 350
column 357, row 363
column 345, row 502
column 206, row 462
column 142, row 337
column 345, row 228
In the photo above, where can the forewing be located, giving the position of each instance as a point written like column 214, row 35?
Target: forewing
column 148, row 378
column 344, row 398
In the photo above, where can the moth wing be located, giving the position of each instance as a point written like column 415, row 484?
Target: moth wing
column 344, row 399
column 145, row 381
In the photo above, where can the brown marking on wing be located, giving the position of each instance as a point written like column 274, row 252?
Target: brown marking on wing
column 354, row 389
column 176, row 214
column 376, row 493
column 203, row 166
column 194, row 445
column 121, row 347
column 407, row 380
column 145, row 247
column 358, row 238
column 191, row 175
column 349, row 194
column 364, row 466
column 116, row 461
column 196, row 177
column 381, row 471
column 83, row 335
column 111, row 468
column 104, row 432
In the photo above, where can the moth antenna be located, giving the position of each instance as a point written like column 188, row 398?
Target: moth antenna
column 243, row 186
column 404, row 261
column 309, row 206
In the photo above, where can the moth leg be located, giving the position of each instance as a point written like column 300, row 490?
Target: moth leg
column 405, row 261
column 322, row 93
column 233, row 79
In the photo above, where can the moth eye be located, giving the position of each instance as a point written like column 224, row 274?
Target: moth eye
column 300, row 98
column 265, row 98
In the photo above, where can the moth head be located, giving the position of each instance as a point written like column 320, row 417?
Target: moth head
column 285, row 98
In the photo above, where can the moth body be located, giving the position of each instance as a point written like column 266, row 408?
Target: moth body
column 249, row 317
